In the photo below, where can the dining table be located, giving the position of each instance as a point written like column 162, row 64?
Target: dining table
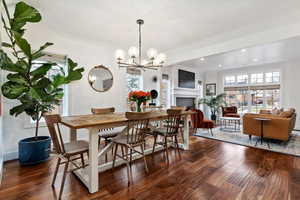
column 95, row 122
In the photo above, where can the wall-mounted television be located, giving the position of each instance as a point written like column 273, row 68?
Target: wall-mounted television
column 186, row 79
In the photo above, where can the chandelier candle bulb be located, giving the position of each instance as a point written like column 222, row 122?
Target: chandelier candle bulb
column 152, row 53
column 133, row 52
column 162, row 57
column 120, row 54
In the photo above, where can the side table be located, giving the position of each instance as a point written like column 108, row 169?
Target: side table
column 262, row 122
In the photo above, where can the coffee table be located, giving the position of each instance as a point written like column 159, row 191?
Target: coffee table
column 230, row 124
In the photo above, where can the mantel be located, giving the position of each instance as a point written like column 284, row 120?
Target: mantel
column 186, row 89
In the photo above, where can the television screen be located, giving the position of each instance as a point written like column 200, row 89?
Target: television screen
column 186, row 79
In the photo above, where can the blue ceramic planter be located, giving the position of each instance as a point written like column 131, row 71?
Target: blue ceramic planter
column 34, row 150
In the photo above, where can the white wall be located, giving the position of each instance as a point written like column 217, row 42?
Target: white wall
column 81, row 96
column 290, row 81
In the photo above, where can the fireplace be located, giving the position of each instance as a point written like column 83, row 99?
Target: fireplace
column 188, row 102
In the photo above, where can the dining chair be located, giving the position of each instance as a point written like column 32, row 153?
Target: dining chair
column 133, row 137
column 181, row 123
column 67, row 152
column 108, row 133
column 169, row 130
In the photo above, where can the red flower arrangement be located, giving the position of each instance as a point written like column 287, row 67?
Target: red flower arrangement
column 139, row 97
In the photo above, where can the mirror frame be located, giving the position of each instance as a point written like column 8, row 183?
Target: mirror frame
column 100, row 67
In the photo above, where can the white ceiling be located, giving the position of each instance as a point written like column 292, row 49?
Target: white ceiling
column 280, row 51
column 169, row 24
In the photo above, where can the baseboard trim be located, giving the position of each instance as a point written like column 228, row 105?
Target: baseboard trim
column 10, row 156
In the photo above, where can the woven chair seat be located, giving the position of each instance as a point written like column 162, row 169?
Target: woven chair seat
column 76, row 147
column 111, row 132
column 162, row 131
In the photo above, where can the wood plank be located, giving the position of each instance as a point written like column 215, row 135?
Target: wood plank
column 209, row 170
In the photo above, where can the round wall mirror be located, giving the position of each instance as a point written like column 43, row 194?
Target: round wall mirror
column 100, row 78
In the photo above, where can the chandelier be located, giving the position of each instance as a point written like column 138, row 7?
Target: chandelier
column 154, row 60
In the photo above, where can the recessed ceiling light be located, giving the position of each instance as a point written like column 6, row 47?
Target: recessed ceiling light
column 202, row 59
column 255, row 59
column 243, row 50
column 219, row 65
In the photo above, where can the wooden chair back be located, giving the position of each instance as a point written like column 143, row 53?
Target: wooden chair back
column 103, row 110
column 183, row 108
column 137, row 124
column 173, row 121
column 98, row 111
column 52, row 122
column 153, row 108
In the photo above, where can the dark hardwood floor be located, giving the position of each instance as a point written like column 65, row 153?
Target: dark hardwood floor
column 209, row 170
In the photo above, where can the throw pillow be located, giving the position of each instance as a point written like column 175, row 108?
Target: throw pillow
column 286, row 114
column 275, row 111
column 265, row 112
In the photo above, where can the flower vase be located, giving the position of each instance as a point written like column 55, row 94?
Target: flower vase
column 138, row 106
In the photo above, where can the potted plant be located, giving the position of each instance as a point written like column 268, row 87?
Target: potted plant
column 214, row 103
column 139, row 97
column 27, row 80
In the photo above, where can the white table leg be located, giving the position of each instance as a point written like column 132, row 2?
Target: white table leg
column 186, row 133
column 93, row 161
column 73, row 135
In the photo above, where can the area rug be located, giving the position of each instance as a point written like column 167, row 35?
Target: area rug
column 291, row 147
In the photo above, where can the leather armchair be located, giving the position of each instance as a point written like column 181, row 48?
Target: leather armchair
column 231, row 111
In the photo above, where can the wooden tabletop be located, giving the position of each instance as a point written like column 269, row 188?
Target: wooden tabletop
column 92, row 120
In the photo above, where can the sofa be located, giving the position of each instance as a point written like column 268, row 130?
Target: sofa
column 280, row 126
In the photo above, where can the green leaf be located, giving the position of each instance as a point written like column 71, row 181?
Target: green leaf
column 34, row 93
column 17, row 78
column 24, row 12
column 58, row 80
column 18, row 110
column 23, row 45
column 73, row 74
column 42, row 70
column 43, row 83
column 5, row 44
column 39, row 52
column 13, row 90
column 7, row 64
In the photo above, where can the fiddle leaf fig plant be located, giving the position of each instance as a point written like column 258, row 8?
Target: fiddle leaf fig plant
column 28, row 81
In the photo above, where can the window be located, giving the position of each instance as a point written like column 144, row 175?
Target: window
column 229, row 80
column 257, row 78
column 272, row 77
column 238, row 98
column 242, row 79
column 257, row 100
column 134, row 80
column 272, row 97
